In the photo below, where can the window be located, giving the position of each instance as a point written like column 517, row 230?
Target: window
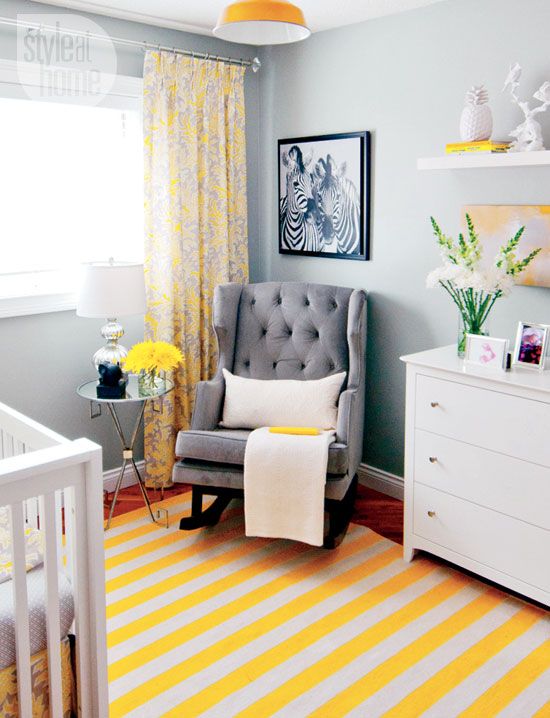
column 71, row 191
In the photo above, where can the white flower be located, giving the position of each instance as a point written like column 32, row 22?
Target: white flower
column 489, row 280
column 498, row 279
column 470, row 279
column 433, row 278
column 461, row 277
column 446, row 273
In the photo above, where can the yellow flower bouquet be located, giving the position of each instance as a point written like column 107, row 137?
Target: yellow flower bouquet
column 151, row 360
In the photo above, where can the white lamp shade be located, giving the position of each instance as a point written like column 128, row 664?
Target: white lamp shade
column 262, row 32
column 111, row 289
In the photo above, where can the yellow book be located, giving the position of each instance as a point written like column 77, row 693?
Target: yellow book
column 477, row 151
column 480, row 143
column 483, row 146
column 298, row 430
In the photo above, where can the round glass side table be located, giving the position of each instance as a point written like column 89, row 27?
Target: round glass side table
column 88, row 391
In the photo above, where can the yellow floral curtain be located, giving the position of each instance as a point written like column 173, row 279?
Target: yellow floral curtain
column 195, row 223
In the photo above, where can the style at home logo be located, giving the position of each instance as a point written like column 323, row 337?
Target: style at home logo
column 62, row 55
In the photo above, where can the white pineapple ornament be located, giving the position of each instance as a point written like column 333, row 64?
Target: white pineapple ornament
column 476, row 121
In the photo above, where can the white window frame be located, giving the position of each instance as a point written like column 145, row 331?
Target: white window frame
column 25, row 305
column 12, row 84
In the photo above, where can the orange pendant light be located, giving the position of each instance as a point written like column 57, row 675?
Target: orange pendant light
column 262, row 22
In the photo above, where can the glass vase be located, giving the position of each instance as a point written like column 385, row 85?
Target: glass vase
column 469, row 325
column 151, row 383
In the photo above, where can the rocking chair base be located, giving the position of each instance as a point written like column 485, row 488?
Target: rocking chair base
column 210, row 516
column 339, row 511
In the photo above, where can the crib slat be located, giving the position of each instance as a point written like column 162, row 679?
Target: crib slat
column 59, row 529
column 70, row 534
column 20, row 600
column 31, row 512
column 75, row 530
column 53, row 628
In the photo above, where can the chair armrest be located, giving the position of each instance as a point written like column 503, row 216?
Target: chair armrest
column 349, row 427
column 351, row 405
column 344, row 415
column 208, row 406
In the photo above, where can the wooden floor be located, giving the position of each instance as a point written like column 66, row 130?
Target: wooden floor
column 379, row 512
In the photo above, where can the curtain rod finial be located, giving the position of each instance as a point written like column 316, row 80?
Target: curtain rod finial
column 256, row 64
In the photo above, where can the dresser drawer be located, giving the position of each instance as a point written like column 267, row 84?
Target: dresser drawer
column 503, row 543
column 501, row 422
column 511, row 486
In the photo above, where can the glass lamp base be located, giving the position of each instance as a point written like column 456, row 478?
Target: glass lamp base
column 112, row 352
column 109, row 354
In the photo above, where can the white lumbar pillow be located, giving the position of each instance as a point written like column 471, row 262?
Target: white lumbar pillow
column 253, row 403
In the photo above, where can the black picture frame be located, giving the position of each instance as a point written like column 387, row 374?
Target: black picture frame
column 317, row 167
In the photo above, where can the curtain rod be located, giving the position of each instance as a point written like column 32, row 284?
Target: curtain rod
column 255, row 63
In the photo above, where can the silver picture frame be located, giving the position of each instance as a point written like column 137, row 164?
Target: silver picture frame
column 531, row 345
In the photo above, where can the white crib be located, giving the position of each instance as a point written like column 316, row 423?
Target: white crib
column 55, row 484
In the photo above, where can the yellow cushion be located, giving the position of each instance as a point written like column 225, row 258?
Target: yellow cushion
column 300, row 430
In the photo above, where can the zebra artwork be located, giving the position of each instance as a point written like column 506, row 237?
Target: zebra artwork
column 297, row 211
column 338, row 206
column 323, row 195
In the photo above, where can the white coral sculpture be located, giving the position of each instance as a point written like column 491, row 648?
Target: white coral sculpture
column 527, row 135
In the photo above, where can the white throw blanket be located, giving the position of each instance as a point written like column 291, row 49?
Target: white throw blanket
column 284, row 485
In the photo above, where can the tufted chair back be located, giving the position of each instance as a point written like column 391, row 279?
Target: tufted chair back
column 287, row 330
column 291, row 330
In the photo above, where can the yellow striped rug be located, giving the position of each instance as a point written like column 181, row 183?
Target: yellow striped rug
column 211, row 623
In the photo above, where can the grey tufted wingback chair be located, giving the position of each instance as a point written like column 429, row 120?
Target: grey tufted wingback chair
column 278, row 330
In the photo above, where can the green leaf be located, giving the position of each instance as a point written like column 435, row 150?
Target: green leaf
column 474, row 239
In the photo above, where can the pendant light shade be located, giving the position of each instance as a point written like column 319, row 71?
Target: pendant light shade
column 262, row 22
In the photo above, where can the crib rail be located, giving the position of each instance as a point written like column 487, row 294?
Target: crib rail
column 55, row 484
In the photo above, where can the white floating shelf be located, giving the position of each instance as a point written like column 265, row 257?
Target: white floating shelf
column 471, row 161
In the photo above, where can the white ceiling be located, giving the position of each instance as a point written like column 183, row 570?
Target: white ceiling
column 200, row 15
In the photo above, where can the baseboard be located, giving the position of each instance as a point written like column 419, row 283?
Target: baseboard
column 382, row 481
column 110, row 477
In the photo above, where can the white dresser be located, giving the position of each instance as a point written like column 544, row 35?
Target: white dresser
column 477, row 469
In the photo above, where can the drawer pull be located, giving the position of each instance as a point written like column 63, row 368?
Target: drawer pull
column 434, row 404
column 433, row 459
column 431, row 514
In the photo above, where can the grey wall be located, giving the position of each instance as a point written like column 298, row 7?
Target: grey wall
column 403, row 78
column 44, row 357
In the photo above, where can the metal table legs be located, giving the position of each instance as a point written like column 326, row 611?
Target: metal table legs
column 128, row 458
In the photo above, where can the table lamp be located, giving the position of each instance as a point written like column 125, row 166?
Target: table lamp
column 110, row 290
